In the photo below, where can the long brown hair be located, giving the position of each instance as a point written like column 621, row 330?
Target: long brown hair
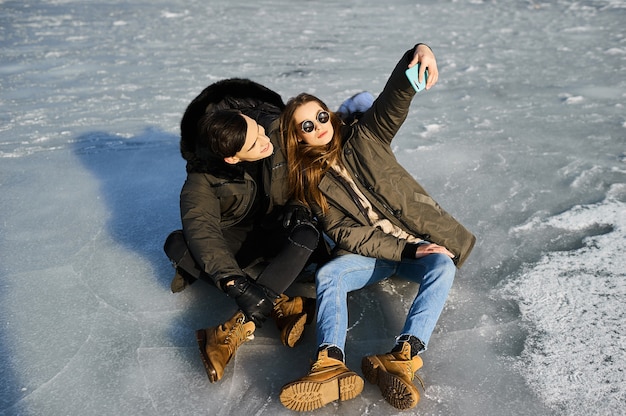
column 308, row 164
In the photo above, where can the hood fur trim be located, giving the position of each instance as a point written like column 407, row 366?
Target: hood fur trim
column 251, row 98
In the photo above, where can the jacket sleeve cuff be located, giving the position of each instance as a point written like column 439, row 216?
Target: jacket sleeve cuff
column 409, row 250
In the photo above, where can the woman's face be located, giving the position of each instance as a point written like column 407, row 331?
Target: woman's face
column 322, row 132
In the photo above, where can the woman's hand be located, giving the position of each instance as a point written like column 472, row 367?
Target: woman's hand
column 425, row 56
column 424, row 250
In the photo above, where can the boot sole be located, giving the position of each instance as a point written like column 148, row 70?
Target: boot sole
column 210, row 370
column 304, row 396
column 395, row 390
column 293, row 333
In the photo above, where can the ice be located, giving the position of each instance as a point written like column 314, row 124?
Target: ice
column 573, row 302
column 523, row 139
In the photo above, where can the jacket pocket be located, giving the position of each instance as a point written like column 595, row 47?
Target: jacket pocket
column 234, row 202
column 426, row 200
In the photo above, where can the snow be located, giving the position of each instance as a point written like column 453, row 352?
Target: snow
column 523, row 139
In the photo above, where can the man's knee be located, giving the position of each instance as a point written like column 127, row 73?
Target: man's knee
column 305, row 235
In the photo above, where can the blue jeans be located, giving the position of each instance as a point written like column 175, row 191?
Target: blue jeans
column 343, row 274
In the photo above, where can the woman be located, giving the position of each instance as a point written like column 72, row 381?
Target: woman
column 383, row 223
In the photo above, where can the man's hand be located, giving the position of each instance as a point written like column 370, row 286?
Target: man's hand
column 251, row 298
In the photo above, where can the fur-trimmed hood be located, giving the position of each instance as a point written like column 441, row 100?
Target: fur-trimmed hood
column 251, row 98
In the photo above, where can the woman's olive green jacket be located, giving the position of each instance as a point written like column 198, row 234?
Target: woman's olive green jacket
column 393, row 191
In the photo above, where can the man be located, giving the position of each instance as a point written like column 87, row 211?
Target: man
column 237, row 219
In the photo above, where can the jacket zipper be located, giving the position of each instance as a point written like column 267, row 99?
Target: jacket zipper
column 353, row 195
column 391, row 211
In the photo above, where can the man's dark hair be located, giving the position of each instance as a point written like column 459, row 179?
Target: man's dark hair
column 223, row 132
column 252, row 99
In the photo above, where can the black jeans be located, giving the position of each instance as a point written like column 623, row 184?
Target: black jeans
column 284, row 255
column 284, row 268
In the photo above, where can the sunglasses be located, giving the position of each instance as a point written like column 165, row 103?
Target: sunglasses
column 308, row 126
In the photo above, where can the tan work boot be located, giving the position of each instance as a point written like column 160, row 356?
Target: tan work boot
column 291, row 314
column 328, row 380
column 394, row 374
column 218, row 344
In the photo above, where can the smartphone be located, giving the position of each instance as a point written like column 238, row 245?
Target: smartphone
column 411, row 74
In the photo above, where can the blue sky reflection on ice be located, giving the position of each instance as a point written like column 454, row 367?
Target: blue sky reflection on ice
column 523, row 140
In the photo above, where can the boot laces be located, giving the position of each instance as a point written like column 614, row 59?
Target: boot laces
column 414, row 374
column 317, row 366
column 322, row 365
column 236, row 336
column 278, row 312
column 420, row 380
column 279, row 307
column 409, row 371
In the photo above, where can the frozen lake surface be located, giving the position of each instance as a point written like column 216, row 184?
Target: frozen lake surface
column 523, row 139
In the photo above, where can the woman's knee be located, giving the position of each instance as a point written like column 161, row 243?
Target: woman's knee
column 443, row 265
column 334, row 271
column 326, row 274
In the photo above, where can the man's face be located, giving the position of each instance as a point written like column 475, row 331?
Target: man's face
column 257, row 146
